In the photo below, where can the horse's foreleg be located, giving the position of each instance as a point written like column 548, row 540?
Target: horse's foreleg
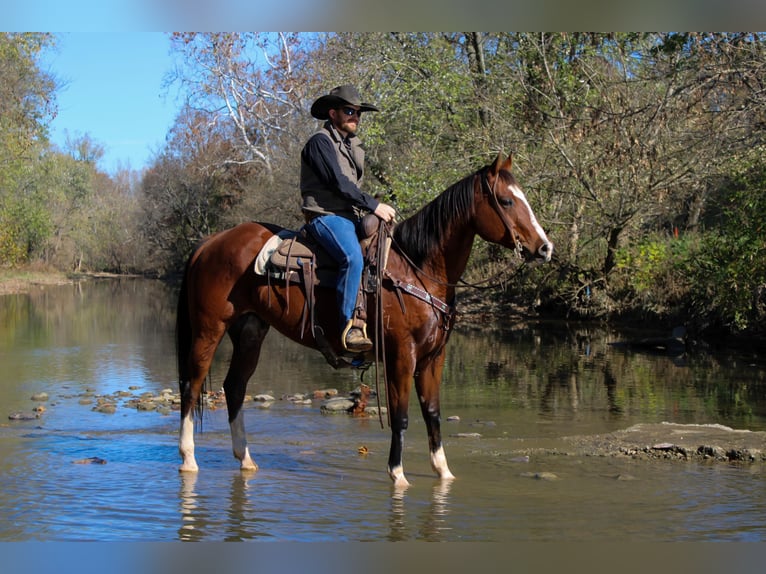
column 247, row 336
column 395, row 467
column 399, row 394
column 427, row 383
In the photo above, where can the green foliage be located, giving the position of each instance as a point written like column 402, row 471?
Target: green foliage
column 651, row 275
column 26, row 105
column 643, row 263
column 11, row 243
column 27, row 223
column 729, row 273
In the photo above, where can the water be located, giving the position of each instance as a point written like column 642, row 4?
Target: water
column 520, row 389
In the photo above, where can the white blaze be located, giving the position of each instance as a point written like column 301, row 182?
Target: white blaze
column 518, row 194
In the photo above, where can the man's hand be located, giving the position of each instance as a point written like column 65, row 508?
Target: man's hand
column 385, row 212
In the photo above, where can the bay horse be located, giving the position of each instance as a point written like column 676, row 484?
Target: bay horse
column 221, row 293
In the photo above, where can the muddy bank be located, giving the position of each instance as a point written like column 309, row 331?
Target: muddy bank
column 668, row 441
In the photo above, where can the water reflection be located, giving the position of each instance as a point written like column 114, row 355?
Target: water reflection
column 241, row 520
column 574, row 373
column 205, row 516
column 430, row 523
column 190, row 530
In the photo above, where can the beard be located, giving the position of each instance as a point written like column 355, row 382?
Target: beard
column 350, row 126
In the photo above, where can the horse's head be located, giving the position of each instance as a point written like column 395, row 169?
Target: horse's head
column 503, row 214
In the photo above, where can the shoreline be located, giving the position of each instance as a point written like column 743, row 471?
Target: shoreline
column 21, row 281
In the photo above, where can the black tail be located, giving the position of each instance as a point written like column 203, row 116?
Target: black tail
column 184, row 343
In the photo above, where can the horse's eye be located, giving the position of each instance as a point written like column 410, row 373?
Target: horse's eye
column 505, row 201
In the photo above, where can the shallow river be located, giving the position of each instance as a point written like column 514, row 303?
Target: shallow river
column 513, row 391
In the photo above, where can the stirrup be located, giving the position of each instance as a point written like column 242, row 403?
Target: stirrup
column 364, row 344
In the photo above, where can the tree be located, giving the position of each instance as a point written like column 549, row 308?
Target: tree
column 248, row 80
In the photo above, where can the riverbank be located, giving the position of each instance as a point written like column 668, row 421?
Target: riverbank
column 17, row 281
column 14, row 281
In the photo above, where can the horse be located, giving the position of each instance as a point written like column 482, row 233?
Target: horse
column 221, row 294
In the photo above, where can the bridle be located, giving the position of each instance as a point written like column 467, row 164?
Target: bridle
column 492, row 193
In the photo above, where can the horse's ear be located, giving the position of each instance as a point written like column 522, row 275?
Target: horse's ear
column 497, row 165
column 509, row 162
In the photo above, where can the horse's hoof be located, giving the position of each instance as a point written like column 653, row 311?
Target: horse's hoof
column 401, row 483
column 188, row 468
column 249, row 468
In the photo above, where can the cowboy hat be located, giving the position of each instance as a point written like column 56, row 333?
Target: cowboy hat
column 337, row 98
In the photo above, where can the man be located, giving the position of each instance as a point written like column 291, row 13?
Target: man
column 332, row 169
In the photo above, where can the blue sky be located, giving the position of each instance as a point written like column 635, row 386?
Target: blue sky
column 113, row 91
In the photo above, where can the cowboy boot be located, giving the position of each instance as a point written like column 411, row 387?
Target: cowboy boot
column 354, row 337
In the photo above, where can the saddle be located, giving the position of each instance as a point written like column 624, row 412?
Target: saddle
column 296, row 257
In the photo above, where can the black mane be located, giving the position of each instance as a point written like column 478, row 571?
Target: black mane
column 419, row 235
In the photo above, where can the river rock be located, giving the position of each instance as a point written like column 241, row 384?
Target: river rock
column 540, row 475
column 106, row 408
column 40, row 397
column 90, row 460
column 625, row 477
column 20, row 416
column 336, row 405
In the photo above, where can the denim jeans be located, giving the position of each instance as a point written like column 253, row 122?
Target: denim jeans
column 337, row 235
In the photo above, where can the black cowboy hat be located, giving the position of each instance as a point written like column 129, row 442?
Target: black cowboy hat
column 337, row 98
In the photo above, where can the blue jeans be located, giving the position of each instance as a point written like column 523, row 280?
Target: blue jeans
column 337, row 235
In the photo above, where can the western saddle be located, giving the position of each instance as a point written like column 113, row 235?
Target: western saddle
column 295, row 257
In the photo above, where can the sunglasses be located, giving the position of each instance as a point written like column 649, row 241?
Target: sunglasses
column 352, row 112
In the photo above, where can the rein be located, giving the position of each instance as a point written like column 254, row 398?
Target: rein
column 380, row 331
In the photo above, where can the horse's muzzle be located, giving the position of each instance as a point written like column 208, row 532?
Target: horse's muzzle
column 545, row 251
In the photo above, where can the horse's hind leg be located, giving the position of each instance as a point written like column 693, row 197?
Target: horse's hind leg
column 247, row 336
column 201, row 356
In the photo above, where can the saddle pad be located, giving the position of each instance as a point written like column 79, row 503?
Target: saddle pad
column 268, row 249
